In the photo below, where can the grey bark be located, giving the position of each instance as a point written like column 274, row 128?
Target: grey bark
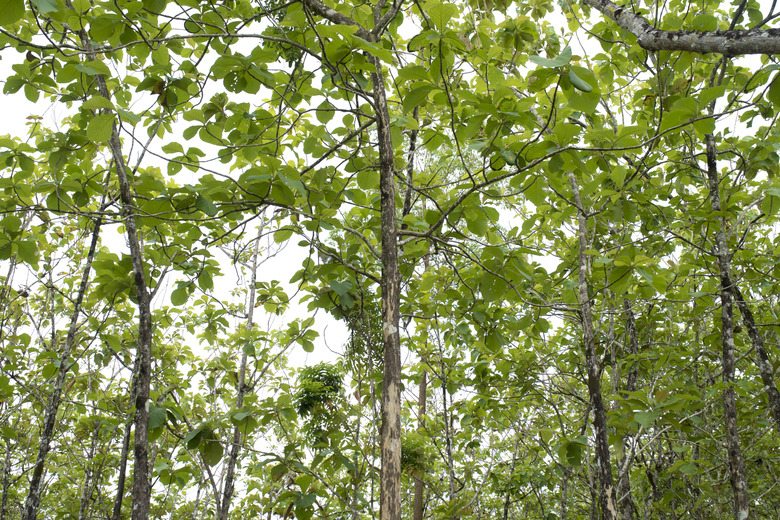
column 762, row 356
column 390, row 479
column 727, row 43
column 223, row 509
column 607, row 496
column 6, row 482
column 625, row 502
column 33, row 500
column 89, row 475
column 728, row 360
column 390, row 436
column 120, row 485
column 419, row 484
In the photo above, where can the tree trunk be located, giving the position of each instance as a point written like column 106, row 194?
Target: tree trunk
column 736, row 461
column 419, row 483
column 762, row 356
column 33, row 501
column 625, row 502
column 223, row 509
column 390, row 479
column 6, row 482
column 607, row 500
column 120, row 484
column 89, row 475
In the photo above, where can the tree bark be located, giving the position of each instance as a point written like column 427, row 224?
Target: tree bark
column 390, row 479
column 728, row 359
column 728, row 43
column 419, row 483
column 625, row 502
column 223, row 509
column 33, row 500
column 762, row 356
column 607, row 498
column 89, row 475
column 120, row 484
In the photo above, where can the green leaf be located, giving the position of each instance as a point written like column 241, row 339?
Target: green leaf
column 416, row 96
column 341, row 288
column 100, row 128
column 283, row 235
column 492, row 287
column 97, row 103
column 211, row 450
column 559, row 61
column 206, row 206
column 646, row 419
column 45, row 6
column 192, row 439
column 306, row 500
column 157, row 416
column 773, row 94
column 11, row 12
column 28, row 251
column 579, row 83
column 441, row 14
column 368, row 179
column 179, row 296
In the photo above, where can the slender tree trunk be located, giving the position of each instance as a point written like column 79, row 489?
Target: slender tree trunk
column 120, row 484
column 390, row 477
column 141, row 494
column 736, row 461
column 625, row 502
column 89, row 475
column 419, row 483
column 141, row 485
column 448, row 436
column 762, row 356
column 33, row 501
column 607, row 500
column 224, row 509
column 6, row 482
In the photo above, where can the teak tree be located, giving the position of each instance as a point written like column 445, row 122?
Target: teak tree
column 568, row 213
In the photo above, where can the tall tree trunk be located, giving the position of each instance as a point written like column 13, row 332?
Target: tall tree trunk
column 141, row 495
column 625, row 502
column 223, row 509
column 141, row 484
column 728, row 360
column 33, row 500
column 419, row 483
column 390, row 476
column 607, row 500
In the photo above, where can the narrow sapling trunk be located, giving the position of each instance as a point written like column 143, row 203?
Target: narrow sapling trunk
column 419, row 483
column 90, row 475
column 229, row 486
column 607, row 500
column 33, row 501
column 762, row 356
column 736, row 461
column 625, row 502
column 120, row 481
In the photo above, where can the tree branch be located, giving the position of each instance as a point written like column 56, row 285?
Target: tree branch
column 728, row 43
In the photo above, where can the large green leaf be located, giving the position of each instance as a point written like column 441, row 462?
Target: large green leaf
column 12, row 11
